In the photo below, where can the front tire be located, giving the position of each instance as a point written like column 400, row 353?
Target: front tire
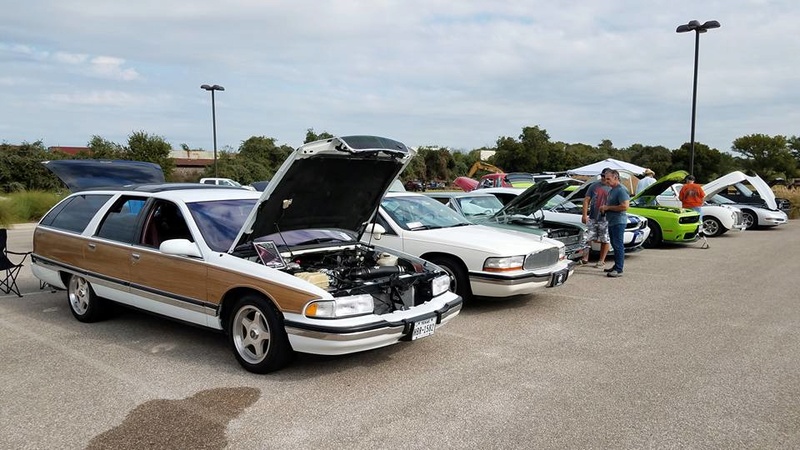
column 258, row 335
column 654, row 239
column 459, row 280
column 83, row 302
column 712, row 227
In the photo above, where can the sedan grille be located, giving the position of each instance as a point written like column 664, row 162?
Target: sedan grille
column 544, row 258
column 738, row 218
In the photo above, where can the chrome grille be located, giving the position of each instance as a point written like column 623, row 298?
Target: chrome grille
column 738, row 218
column 544, row 258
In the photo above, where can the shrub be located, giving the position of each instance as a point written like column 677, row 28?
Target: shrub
column 793, row 194
column 26, row 206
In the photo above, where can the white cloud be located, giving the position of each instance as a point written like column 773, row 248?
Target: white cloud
column 106, row 66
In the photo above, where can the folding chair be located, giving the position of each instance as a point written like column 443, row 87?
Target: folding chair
column 8, row 283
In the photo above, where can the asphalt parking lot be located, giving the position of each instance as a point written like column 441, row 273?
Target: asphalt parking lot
column 692, row 348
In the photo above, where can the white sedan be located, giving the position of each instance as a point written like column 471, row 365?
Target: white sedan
column 482, row 261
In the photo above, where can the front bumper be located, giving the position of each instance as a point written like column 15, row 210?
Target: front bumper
column 356, row 334
column 486, row 284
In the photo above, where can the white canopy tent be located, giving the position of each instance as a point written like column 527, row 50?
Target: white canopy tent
column 596, row 168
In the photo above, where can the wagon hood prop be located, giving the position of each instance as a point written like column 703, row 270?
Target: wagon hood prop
column 331, row 183
column 661, row 185
column 534, row 198
column 763, row 190
column 84, row 174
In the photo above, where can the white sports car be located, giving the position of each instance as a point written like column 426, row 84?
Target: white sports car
column 718, row 218
column 761, row 211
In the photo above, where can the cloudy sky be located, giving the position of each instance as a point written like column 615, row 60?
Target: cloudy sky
column 457, row 73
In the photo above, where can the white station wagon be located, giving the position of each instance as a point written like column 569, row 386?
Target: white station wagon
column 278, row 271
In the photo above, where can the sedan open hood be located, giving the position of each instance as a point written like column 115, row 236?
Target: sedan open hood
column 535, row 197
column 331, row 183
column 732, row 178
column 85, row 174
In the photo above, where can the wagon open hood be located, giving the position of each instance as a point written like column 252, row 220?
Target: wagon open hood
column 331, row 183
column 732, row 178
column 535, row 197
column 85, row 174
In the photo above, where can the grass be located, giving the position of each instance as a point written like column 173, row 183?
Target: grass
column 26, row 206
column 793, row 194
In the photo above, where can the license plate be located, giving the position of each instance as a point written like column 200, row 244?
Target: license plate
column 559, row 278
column 423, row 328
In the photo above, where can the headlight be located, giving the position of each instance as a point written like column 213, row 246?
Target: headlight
column 440, row 285
column 354, row 305
column 504, row 264
column 562, row 253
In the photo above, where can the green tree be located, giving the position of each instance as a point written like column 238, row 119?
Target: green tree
column 768, row 156
column 21, row 167
column 150, row 148
column 311, row 136
column 100, row 148
column 656, row 158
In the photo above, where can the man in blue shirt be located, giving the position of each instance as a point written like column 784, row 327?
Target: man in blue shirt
column 615, row 207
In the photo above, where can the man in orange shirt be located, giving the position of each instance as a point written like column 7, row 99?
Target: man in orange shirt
column 692, row 196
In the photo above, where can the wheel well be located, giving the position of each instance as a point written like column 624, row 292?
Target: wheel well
column 434, row 255
column 226, row 305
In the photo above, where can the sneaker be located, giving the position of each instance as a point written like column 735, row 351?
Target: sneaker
column 610, row 269
column 614, row 274
column 582, row 262
column 600, row 264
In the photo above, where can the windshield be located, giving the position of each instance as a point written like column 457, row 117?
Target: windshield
column 559, row 203
column 299, row 238
column 479, row 206
column 721, row 200
column 219, row 221
column 421, row 213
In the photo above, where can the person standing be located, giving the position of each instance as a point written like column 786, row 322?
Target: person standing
column 617, row 217
column 692, row 195
column 595, row 220
column 646, row 181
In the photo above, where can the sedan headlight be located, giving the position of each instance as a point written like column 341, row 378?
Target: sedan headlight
column 504, row 264
column 335, row 308
column 440, row 285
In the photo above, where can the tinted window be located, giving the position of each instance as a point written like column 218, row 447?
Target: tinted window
column 75, row 213
column 164, row 222
column 120, row 221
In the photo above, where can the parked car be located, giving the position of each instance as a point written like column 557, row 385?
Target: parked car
column 483, row 208
column 560, row 209
column 759, row 208
column 225, row 182
column 278, row 271
column 667, row 223
column 718, row 219
column 749, row 190
column 482, row 261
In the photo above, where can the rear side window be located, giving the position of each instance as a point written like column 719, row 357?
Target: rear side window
column 75, row 213
column 121, row 220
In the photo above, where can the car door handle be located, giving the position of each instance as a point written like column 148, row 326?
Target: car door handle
column 91, row 246
column 135, row 256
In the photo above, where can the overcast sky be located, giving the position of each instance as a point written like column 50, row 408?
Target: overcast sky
column 457, row 73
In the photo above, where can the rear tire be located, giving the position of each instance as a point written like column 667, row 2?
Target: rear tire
column 258, row 335
column 83, row 302
column 749, row 218
column 654, row 239
column 459, row 280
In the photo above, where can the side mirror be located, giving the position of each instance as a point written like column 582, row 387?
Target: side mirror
column 376, row 229
column 180, row 247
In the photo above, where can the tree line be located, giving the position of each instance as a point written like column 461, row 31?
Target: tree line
column 258, row 157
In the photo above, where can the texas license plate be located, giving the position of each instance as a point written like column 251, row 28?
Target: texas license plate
column 559, row 278
column 423, row 328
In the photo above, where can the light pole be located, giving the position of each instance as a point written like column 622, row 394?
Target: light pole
column 697, row 28
column 213, row 88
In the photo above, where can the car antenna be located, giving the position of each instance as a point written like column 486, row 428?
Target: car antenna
column 287, row 202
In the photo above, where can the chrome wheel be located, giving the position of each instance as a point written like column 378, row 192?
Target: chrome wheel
column 749, row 219
column 80, row 296
column 711, row 227
column 251, row 334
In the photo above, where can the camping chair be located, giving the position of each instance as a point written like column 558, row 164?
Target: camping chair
column 8, row 283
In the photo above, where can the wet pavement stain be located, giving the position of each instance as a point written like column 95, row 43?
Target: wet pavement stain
column 197, row 422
